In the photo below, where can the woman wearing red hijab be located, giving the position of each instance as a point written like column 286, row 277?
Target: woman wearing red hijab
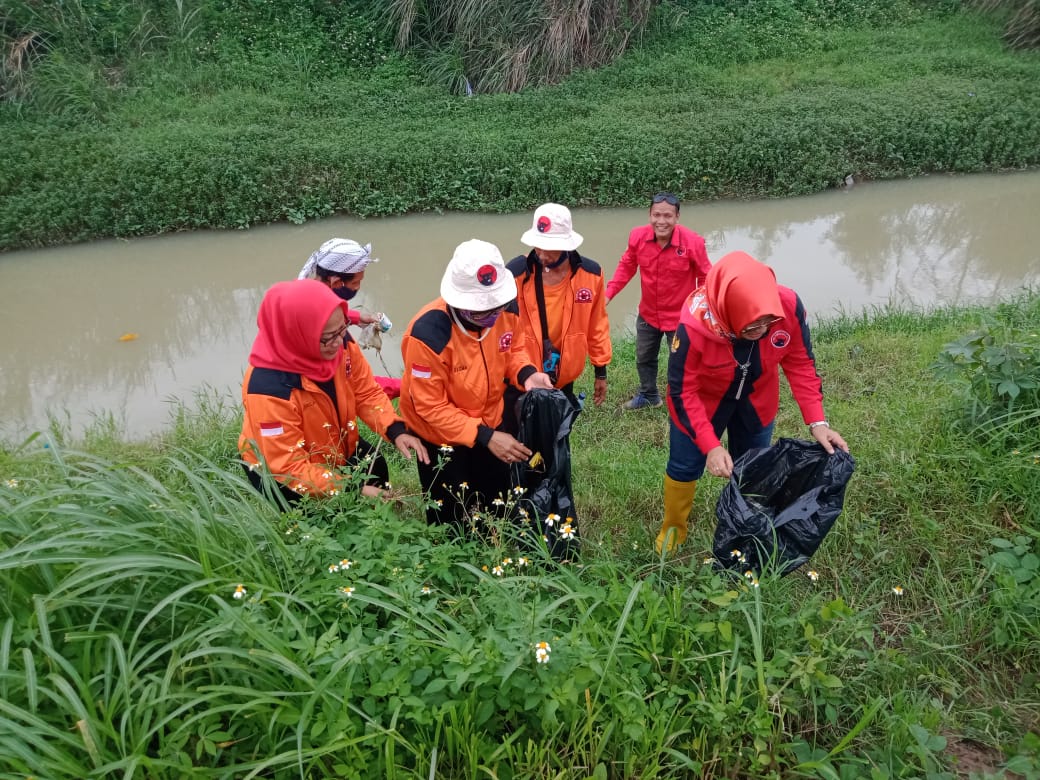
column 306, row 385
column 734, row 333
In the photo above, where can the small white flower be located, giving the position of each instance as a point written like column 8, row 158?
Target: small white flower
column 346, row 564
column 240, row 591
column 519, row 490
column 541, row 652
column 447, row 449
column 898, row 590
column 567, row 531
column 709, row 561
column 426, row 590
column 498, row 571
column 813, row 575
column 735, row 554
column 521, row 561
column 551, row 519
column 498, row 502
column 347, row 591
column 305, row 537
column 333, row 568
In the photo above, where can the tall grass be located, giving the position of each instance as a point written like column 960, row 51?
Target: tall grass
column 365, row 644
column 505, row 46
column 248, row 126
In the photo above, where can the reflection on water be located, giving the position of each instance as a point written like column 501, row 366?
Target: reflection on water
column 191, row 298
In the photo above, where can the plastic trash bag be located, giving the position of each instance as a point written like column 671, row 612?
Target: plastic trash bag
column 779, row 505
column 546, row 417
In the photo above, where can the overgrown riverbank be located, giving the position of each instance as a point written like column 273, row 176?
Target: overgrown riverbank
column 726, row 100
column 363, row 645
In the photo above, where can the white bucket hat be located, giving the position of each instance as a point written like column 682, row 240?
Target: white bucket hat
column 340, row 256
column 476, row 279
column 551, row 229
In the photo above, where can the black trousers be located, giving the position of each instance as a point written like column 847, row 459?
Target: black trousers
column 378, row 475
column 465, row 480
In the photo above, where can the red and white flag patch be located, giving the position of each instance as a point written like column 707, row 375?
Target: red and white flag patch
column 421, row 372
column 271, row 429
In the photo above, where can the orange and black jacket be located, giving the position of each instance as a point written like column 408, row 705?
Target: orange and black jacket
column 452, row 388
column 586, row 329
column 293, row 423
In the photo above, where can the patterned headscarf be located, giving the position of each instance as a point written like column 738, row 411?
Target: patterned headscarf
column 340, row 256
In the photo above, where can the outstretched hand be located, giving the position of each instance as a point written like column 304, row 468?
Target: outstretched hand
column 829, row 438
column 406, row 443
column 719, row 463
column 506, row 448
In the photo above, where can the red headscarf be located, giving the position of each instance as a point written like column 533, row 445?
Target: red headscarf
column 741, row 290
column 292, row 318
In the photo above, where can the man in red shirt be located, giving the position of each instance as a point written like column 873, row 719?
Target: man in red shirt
column 672, row 262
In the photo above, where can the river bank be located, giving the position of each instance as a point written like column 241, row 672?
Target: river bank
column 913, row 651
column 725, row 106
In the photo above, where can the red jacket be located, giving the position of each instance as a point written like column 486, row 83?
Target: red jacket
column 298, row 429
column 453, row 384
column 704, row 371
column 666, row 275
column 586, row 328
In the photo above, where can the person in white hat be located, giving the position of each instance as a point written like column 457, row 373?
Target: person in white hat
column 562, row 303
column 459, row 353
column 340, row 265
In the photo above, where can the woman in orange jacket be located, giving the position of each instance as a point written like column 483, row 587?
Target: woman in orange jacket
column 562, row 304
column 459, row 353
column 306, row 386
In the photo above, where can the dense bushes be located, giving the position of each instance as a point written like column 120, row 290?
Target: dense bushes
column 781, row 98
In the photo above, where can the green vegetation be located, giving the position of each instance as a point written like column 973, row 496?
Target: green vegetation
column 124, row 119
column 124, row 650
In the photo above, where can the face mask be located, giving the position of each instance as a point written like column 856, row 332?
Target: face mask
column 484, row 321
column 346, row 293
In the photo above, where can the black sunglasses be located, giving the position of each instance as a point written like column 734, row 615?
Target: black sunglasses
column 666, row 197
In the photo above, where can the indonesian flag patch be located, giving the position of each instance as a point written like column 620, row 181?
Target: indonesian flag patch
column 421, row 372
column 271, row 429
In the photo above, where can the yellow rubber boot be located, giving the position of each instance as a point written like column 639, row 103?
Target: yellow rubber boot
column 678, row 501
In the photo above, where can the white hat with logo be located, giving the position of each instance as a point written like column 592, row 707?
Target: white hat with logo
column 476, row 279
column 551, row 229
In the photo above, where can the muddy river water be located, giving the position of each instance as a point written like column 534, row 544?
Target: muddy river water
column 190, row 299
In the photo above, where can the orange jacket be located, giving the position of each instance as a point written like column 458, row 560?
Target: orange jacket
column 452, row 388
column 298, row 430
column 586, row 329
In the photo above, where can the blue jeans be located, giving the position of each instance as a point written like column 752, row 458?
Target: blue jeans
column 686, row 461
column 648, row 350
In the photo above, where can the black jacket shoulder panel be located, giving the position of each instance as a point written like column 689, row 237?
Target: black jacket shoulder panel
column 433, row 329
column 277, row 384
column 518, row 266
column 591, row 266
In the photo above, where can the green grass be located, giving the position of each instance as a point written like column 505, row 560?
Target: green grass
column 770, row 99
column 123, row 649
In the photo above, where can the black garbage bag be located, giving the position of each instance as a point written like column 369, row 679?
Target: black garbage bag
column 545, row 418
column 779, row 504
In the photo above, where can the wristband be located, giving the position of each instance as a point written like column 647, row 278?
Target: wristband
column 813, row 425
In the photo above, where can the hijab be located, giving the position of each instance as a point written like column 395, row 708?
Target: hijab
column 291, row 320
column 740, row 290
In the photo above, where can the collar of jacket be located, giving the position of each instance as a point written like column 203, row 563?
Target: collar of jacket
column 573, row 258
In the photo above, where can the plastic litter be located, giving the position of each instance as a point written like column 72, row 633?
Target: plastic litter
column 780, row 503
